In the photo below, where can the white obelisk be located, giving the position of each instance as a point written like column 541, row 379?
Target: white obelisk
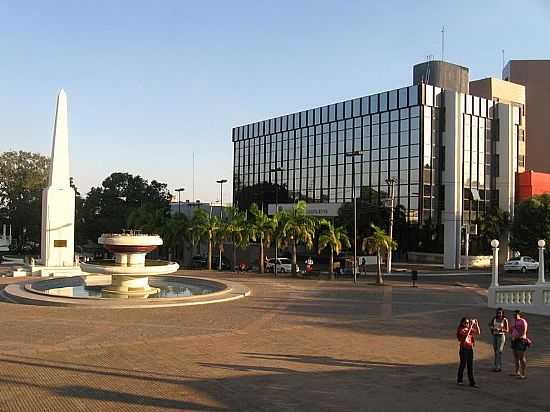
column 58, row 199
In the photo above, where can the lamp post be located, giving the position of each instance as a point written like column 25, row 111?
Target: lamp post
column 541, row 244
column 181, row 189
column 391, row 182
column 221, row 182
column 276, row 170
column 353, row 155
column 494, row 278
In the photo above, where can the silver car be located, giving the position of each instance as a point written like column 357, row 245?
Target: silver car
column 521, row 264
column 284, row 265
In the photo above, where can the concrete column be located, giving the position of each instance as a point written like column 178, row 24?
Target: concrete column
column 506, row 180
column 541, row 244
column 452, row 179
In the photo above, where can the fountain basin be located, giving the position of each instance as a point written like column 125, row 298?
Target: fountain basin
column 111, row 267
column 88, row 292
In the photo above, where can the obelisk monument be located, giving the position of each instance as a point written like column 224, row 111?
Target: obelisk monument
column 58, row 198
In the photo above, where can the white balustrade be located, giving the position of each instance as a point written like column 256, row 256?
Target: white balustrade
column 528, row 298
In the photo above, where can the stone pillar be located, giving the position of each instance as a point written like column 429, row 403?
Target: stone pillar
column 541, row 244
column 452, row 179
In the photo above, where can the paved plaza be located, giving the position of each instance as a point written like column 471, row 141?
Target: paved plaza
column 293, row 345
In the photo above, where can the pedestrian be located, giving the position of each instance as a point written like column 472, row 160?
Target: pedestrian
column 520, row 343
column 465, row 333
column 414, row 278
column 364, row 266
column 499, row 328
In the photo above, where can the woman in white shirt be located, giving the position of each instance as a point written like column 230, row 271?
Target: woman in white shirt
column 499, row 327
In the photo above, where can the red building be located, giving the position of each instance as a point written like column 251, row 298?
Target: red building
column 531, row 183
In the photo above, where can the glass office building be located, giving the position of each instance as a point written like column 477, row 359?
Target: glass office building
column 399, row 133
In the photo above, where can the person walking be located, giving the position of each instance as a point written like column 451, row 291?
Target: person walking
column 364, row 266
column 499, row 328
column 520, row 343
column 465, row 333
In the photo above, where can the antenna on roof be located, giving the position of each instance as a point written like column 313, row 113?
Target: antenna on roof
column 442, row 43
column 502, row 68
column 429, row 59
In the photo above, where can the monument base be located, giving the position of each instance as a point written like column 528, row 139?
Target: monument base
column 54, row 271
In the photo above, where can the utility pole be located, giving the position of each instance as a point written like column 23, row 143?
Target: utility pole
column 391, row 182
column 276, row 170
column 221, row 182
column 181, row 189
column 353, row 155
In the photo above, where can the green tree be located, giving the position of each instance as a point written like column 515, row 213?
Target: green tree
column 262, row 229
column 531, row 223
column 23, row 175
column 295, row 227
column 107, row 208
column 239, row 230
column 335, row 238
column 495, row 224
column 380, row 242
column 204, row 226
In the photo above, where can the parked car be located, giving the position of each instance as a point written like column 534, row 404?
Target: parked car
column 522, row 264
column 284, row 265
column 198, row 262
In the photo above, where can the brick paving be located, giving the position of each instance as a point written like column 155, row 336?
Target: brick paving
column 293, row 345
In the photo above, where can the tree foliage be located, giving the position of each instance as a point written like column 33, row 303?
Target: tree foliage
column 23, row 175
column 295, row 226
column 380, row 243
column 107, row 208
column 531, row 223
column 335, row 238
column 263, row 229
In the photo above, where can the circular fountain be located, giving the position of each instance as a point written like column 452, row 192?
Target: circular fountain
column 129, row 270
column 128, row 280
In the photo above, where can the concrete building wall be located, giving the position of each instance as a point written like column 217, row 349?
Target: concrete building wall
column 535, row 76
column 442, row 74
column 451, row 178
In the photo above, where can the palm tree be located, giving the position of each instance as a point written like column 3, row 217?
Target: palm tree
column 263, row 229
column 174, row 233
column 379, row 241
column 335, row 238
column 204, row 225
column 221, row 231
column 195, row 232
column 296, row 226
column 239, row 230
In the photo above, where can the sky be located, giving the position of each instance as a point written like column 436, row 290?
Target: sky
column 150, row 83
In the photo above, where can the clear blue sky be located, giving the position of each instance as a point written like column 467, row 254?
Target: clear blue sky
column 149, row 82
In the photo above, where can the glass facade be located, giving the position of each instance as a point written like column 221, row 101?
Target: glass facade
column 303, row 155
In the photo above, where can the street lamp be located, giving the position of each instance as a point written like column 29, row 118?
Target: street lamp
column 181, row 189
column 494, row 277
column 221, row 182
column 354, row 154
column 541, row 244
column 391, row 182
column 276, row 170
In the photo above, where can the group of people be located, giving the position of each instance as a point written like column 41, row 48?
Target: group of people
column 500, row 327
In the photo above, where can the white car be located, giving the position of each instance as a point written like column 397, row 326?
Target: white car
column 284, row 265
column 522, row 264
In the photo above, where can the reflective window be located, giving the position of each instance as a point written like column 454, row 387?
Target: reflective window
column 383, row 105
column 403, row 97
column 373, row 104
column 392, row 100
column 332, row 112
column 339, row 111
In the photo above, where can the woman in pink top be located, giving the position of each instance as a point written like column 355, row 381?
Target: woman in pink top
column 520, row 343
